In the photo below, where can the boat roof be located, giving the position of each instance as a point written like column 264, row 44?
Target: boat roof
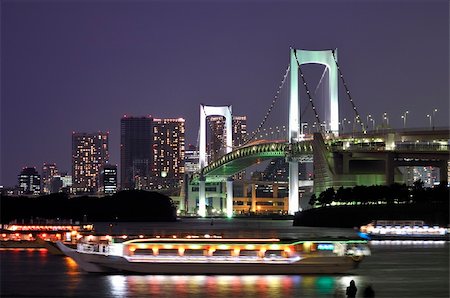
column 261, row 241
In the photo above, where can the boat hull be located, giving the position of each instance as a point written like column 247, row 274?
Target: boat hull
column 317, row 267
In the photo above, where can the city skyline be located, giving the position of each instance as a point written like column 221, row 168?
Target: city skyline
column 60, row 74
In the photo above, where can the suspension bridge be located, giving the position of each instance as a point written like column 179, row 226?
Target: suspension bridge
column 360, row 158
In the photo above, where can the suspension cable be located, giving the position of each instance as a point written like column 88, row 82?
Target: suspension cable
column 347, row 91
column 275, row 98
column 307, row 91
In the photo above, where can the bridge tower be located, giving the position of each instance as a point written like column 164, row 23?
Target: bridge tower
column 206, row 111
column 299, row 57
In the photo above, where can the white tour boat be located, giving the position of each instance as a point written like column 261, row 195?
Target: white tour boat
column 216, row 255
column 404, row 229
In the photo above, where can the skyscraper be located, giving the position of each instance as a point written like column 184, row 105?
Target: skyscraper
column 191, row 159
column 49, row 170
column 89, row 153
column 239, row 130
column 168, row 152
column 135, row 151
column 61, row 183
column 29, row 181
column 217, row 147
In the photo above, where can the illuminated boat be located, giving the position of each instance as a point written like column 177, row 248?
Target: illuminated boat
column 47, row 232
column 404, row 229
column 41, row 235
column 217, row 256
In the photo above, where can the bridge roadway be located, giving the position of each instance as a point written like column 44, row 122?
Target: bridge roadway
column 417, row 145
column 238, row 160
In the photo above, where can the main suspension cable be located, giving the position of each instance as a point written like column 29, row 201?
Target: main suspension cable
column 266, row 116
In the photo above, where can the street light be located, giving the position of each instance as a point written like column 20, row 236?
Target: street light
column 386, row 119
column 434, row 112
column 373, row 123
column 429, row 116
column 404, row 116
column 324, row 125
column 368, row 118
column 355, row 120
column 343, row 124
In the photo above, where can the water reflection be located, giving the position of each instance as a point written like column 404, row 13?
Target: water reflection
column 118, row 285
column 72, row 267
column 225, row 285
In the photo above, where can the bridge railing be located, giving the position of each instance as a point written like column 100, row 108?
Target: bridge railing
column 421, row 147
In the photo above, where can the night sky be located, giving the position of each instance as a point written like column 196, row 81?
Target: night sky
column 81, row 65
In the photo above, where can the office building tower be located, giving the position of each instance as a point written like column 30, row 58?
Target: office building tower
column 89, row 154
column 29, row 181
column 108, row 179
column 49, row 170
column 135, row 151
column 168, row 152
column 191, row 159
column 61, row 183
column 217, row 145
column 239, row 130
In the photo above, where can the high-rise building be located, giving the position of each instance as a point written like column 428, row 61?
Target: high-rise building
column 49, row 170
column 135, row 151
column 29, row 181
column 89, row 153
column 239, row 130
column 217, row 145
column 168, row 152
column 108, row 179
column 61, row 183
column 191, row 159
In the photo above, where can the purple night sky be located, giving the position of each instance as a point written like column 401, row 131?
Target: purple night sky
column 80, row 65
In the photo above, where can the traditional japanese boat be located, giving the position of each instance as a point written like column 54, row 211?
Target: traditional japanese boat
column 217, row 256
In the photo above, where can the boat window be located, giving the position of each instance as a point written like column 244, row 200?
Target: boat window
column 273, row 253
column 143, row 252
column 248, row 253
column 171, row 252
column 193, row 252
column 223, row 252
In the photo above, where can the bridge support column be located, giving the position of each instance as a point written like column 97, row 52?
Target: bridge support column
column 443, row 172
column 390, row 166
column 253, row 209
column 293, row 187
column 202, row 197
column 230, row 197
